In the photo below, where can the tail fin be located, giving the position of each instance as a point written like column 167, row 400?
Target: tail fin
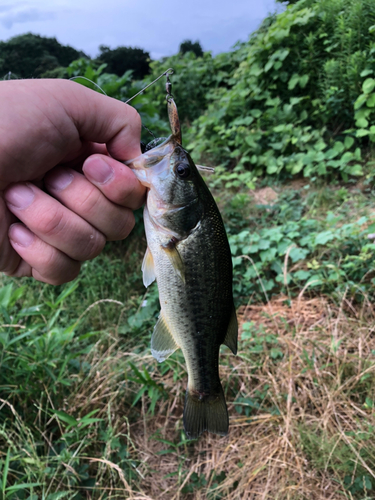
column 207, row 414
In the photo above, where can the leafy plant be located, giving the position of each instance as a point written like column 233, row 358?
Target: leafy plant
column 288, row 107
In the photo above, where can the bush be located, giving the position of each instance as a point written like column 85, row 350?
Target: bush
column 289, row 105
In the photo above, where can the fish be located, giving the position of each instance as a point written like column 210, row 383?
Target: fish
column 189, row 256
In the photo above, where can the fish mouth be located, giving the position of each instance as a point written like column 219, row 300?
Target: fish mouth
column 155, row 162
column 154, row 155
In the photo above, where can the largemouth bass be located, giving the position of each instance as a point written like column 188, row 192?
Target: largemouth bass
column 189, row 255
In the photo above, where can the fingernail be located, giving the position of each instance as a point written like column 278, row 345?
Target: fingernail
column 97, row 170
column 59, row 180
column 20, row 235
column 19, row 195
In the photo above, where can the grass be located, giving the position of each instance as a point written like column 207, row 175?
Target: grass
column 86, row 412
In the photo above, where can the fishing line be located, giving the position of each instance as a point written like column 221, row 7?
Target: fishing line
column 166, row 73
column 88, row 80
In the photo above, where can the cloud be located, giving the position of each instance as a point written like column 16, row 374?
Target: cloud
column 23, row 15
column 150, row 25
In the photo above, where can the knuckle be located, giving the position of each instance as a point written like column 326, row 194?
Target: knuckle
column 23, row 269
column 90, row 202
column 52, row 223
column 94, row 245
column 55, row 269
column 124, row 227
column 135, row 117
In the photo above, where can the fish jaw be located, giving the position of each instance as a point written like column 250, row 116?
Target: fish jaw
column 154, row 163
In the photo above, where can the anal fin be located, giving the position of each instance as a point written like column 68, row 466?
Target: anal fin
column 162, row 341
column 231, row 337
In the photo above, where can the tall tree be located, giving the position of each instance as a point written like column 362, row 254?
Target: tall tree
column 122, row 59
column 189, row 46
column 32, row 55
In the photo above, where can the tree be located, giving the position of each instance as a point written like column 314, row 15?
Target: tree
column 32, row 55
column 189, row 46
column 122, row 59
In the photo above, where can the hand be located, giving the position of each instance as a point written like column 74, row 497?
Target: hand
column 62, row 192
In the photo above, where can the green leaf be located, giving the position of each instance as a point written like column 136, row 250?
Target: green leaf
column 256, row 113
column 62, row 415
column 60, row 494
column 360, row 101
column 323, row 237
column 302, row 275
column 22, row 486
column 264, row 244
column 347, row 157
column 368, row 85
column 68, row 290
column 338, row 147
column 5, row 295
column 280, row 128
column 361, row 123
column 297, row 167
column 272, row 169
column 293, row 81
column 303, row 81
column 349, row 141
column 370, row 103
column 269, row 65
column 362, row 132
column 355, row 169
column 297, row 254
column 5, row 472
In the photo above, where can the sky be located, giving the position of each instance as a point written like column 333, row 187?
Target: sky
column 156, row 26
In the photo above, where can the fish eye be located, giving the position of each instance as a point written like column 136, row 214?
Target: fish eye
column 183, row 170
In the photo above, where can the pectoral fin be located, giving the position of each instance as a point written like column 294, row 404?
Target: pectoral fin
column 232, row 333
column 148, row 269
column 175, row 259
column 162, row 342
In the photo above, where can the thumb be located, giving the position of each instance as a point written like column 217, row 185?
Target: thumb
column 46, row 122
column 102, row 119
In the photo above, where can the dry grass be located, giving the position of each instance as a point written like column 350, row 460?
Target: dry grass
column 312, row 428
column 305, row 372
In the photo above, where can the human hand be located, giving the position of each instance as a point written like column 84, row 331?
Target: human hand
column 50, row 130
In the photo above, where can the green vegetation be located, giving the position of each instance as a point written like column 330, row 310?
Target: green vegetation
column 85, row 411
column 30, row 56
column 122, row 59
column 34, row 56
column 189, row 46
